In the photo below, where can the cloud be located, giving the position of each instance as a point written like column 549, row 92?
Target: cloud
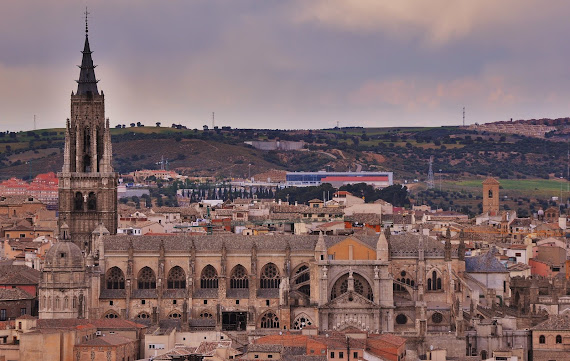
column 435, row 22
column 418, row 94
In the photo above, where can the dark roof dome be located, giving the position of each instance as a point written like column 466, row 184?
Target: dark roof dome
column 64, row 255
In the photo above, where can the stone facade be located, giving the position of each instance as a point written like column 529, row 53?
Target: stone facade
column 87, row 182
column 491, row 196
column 409, row 284
column 551, row 339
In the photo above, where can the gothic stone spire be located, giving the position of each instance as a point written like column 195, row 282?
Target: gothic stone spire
column 87, row 83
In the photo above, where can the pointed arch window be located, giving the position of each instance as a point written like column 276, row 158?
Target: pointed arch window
column 92, row 201
column 269, row 320
column 115, row 279
column 209, row 277
column 238, row 278
column 301, row 322
column 176, row 278
column 146, row 279
column 78, row 201
column 434, row 282
column 361, row 286
column 269, row 276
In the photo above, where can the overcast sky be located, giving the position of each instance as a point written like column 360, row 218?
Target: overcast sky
column 288, row 64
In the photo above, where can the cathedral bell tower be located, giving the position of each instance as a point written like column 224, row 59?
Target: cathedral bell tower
column 87, row 182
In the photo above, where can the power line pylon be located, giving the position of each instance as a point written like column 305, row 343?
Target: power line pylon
column 430, row 180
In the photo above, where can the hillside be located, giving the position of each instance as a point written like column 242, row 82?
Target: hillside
column 458, row 153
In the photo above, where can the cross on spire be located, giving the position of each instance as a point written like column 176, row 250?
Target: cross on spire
column 87, row 13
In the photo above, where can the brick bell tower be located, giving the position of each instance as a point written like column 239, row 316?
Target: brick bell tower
column 87, row 182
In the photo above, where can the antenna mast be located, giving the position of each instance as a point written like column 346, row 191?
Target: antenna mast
column 463, row 116
column 430, row 180
column 213, row 120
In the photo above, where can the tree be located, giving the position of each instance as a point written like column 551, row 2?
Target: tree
column 133, row 125
column 158, row 124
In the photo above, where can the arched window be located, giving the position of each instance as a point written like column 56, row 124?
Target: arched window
column 437, row 317
column 78, row 202
column 176, row 278
column 92, row 202
column 490, row 193
column 44, row 302
column 541, row 339
column 209, row 278
column 434, row 282
column 175, row 315
column 115, row 279
column 56, row 303
column 558, row 339
column 238, row 278
column 74, row 302
column 143, row 316
column 206, row 314
column 269, row 320
column 111, row 315
column 269, row 276
column 65, row 303
column 146, row 279
column 361, row 286
column 301, row 322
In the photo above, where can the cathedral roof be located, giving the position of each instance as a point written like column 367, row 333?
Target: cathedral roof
column 182, row 242
column 401, row 245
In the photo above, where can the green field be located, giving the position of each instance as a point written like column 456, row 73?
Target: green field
column 543, row 186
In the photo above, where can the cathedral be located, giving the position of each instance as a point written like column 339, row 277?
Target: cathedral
column 371, row 282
